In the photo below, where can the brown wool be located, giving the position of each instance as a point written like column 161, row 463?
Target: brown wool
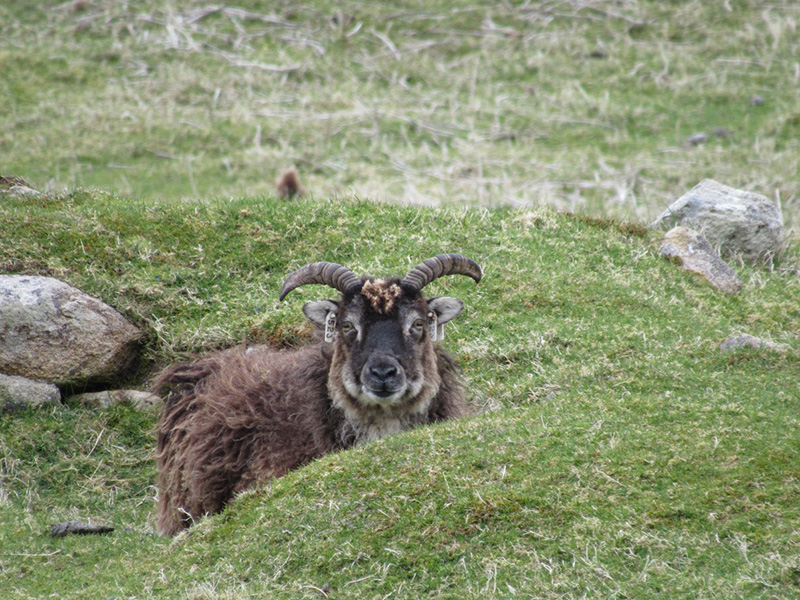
column 289, row 185
column 381, row 295
column 245, row 415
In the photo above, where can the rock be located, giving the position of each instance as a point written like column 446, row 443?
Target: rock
column 139, row 400
column 54, row 332
column 16, row 186
column 18, row 392
column 743, row 224
column 694, row 253
column 697, row 139
column 78, row 528
column 22, row 191
column 743, row 340
column 757, row 100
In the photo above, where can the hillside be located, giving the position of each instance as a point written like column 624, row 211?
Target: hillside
column 613, row 107
column 618, row 452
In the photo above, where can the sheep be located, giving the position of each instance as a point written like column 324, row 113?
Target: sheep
column 245, row 415
column 288, row 185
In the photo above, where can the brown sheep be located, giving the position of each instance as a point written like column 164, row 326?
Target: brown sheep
column 288, row 185
column 246, row 415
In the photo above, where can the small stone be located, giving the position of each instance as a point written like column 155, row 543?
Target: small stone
column 17, row 186
column 743, row 340
column 757, row 100
column 78, row 528
column 692, row 251
column 697, row 139
column 143, row 401
column 18, row 392
column 25, row 192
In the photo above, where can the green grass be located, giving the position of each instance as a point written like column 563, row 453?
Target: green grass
column 579, row 105
column 618, row 452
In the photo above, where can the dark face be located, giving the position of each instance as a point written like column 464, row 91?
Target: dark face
column 383, row 355
column 383, row 358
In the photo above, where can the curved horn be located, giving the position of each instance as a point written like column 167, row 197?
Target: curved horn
column 326, row 273
column 438, row 266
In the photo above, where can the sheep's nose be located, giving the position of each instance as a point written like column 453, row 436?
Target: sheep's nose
column 383, row 371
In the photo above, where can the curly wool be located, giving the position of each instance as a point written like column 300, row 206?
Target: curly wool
column 381, row 295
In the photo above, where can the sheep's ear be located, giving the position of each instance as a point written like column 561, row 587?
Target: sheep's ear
column 446, row 309
column 317, row 311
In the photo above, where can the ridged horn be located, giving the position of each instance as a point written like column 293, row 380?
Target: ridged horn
column 439, row 266
column 325, row 273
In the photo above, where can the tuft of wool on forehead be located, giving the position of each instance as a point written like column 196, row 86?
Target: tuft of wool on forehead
column 381, row 295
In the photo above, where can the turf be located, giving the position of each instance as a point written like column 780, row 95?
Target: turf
column 617, row 451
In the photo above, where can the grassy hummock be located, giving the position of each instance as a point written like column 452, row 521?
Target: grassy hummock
column 617, row 451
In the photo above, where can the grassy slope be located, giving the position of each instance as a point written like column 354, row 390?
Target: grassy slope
column 583, row 105
column 622, row 455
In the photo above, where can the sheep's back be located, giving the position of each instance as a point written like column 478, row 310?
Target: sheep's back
column 235, row 418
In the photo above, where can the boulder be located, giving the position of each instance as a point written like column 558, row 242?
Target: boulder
column 54, row 332
column 137, row 399
column 695, row 254
column 18, row 392
column 742, row 224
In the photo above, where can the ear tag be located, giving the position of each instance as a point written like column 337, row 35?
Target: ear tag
column 434, row 328
column 330, row 326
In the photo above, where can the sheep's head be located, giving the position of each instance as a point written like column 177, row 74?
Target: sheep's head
column 382, row 331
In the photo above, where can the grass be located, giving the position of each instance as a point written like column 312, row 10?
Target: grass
column 618, row 452
column 586, row 106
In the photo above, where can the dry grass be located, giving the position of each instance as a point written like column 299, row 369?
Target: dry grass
column 580, row 105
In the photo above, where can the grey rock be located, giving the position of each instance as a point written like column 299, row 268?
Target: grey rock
column 20, row 392
column 138, row 399
column 697, row 139
column 16, row 186
column 691, row 250
column 21, row 191
column 54, row 332
column 78, row 528
column 743, row 340
column 742, row 224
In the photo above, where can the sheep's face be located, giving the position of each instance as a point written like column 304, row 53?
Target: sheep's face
column 383, row 358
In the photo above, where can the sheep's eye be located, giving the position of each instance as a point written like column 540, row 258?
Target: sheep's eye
column 348, row 327
column 417, row 326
